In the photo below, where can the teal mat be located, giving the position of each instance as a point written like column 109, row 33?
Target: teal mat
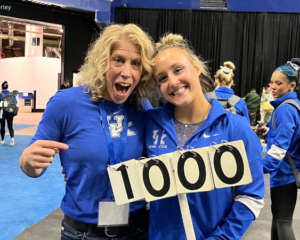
column 24, row 200
column 264, row 149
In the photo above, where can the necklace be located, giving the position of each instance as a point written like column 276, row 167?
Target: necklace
column 114, row 113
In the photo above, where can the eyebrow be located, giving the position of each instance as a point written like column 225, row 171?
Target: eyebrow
column 123, row 56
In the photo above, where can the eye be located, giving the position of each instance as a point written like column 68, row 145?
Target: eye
column 136, row 63
column 118, row 60
column 162, row 79
column 178, row 69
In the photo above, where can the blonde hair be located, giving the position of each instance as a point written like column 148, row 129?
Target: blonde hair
column 176, row 40
column 97, row 61
column 224, row 77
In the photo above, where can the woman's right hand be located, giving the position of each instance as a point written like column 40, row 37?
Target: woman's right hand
column 39, row 155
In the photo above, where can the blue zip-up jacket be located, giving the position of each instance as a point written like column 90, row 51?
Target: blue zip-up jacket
column 285, row 138
column 72, row 118
column 240, row 106
column 213, row 213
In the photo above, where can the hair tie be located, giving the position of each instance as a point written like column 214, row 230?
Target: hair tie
column 4, row 85
column 293, row 65
column 226, row 70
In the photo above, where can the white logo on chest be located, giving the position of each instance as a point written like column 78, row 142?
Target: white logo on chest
column 155, row 138
column 117, row 128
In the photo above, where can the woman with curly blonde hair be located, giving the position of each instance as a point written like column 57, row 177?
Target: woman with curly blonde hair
column 224, row 93
column 95, row 125
column 97, row 64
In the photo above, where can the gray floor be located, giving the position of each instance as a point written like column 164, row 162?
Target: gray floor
column 49, row 228
column 260, row 229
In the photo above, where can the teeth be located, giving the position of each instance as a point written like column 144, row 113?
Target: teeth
column 179, row 91
column 124, row 84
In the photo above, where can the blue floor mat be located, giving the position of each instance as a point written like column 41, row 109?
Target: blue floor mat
column 24, row 200
column 264, row 148
column 19, row 126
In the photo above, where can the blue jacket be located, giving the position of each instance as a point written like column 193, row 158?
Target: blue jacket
column 285, row 138
column 240, row 106
column 72, row 118
column 213, row 213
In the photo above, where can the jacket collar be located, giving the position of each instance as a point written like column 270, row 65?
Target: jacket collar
column 224, row 90
column 278, row 101
column 165, row 118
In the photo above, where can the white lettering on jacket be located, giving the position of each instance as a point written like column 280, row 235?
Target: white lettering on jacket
column 117, row 128
column 155, row 138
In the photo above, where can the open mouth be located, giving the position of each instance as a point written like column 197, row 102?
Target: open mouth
column 179, row 91
column 122, row 88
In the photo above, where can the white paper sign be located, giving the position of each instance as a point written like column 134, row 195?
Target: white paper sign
column 125, row 181
column 225, row 165
column 157, row 178
column 230, row 165
column 192, row 171
column 111, row 214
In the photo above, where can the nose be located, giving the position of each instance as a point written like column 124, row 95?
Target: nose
column 272, row 86
column 173, row 81
column 126, row 71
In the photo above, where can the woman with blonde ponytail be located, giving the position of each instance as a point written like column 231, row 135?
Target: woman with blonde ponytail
column 189, row 121
column 224, row 93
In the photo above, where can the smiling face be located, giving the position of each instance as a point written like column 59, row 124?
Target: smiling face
column 280, row 85
column 124, row 72
column 177, row 76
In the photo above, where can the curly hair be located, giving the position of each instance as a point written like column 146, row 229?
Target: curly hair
column 225, row 73
column 97, row 61
column 175, row 40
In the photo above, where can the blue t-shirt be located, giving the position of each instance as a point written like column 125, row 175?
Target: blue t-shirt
column 72, row 118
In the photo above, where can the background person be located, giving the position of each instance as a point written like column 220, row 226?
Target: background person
column 224, row 81
column 9, row 117
column 65, row 85
column 189, row 121
column 253, row 101
column 285, row 139
column 115, row 78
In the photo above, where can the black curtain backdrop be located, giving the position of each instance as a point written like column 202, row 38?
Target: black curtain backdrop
column 256, row 42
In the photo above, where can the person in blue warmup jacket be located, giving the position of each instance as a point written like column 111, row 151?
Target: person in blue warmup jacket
column 97, row 124
column 285, row 139
column 188, row 121
column 224, row 82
